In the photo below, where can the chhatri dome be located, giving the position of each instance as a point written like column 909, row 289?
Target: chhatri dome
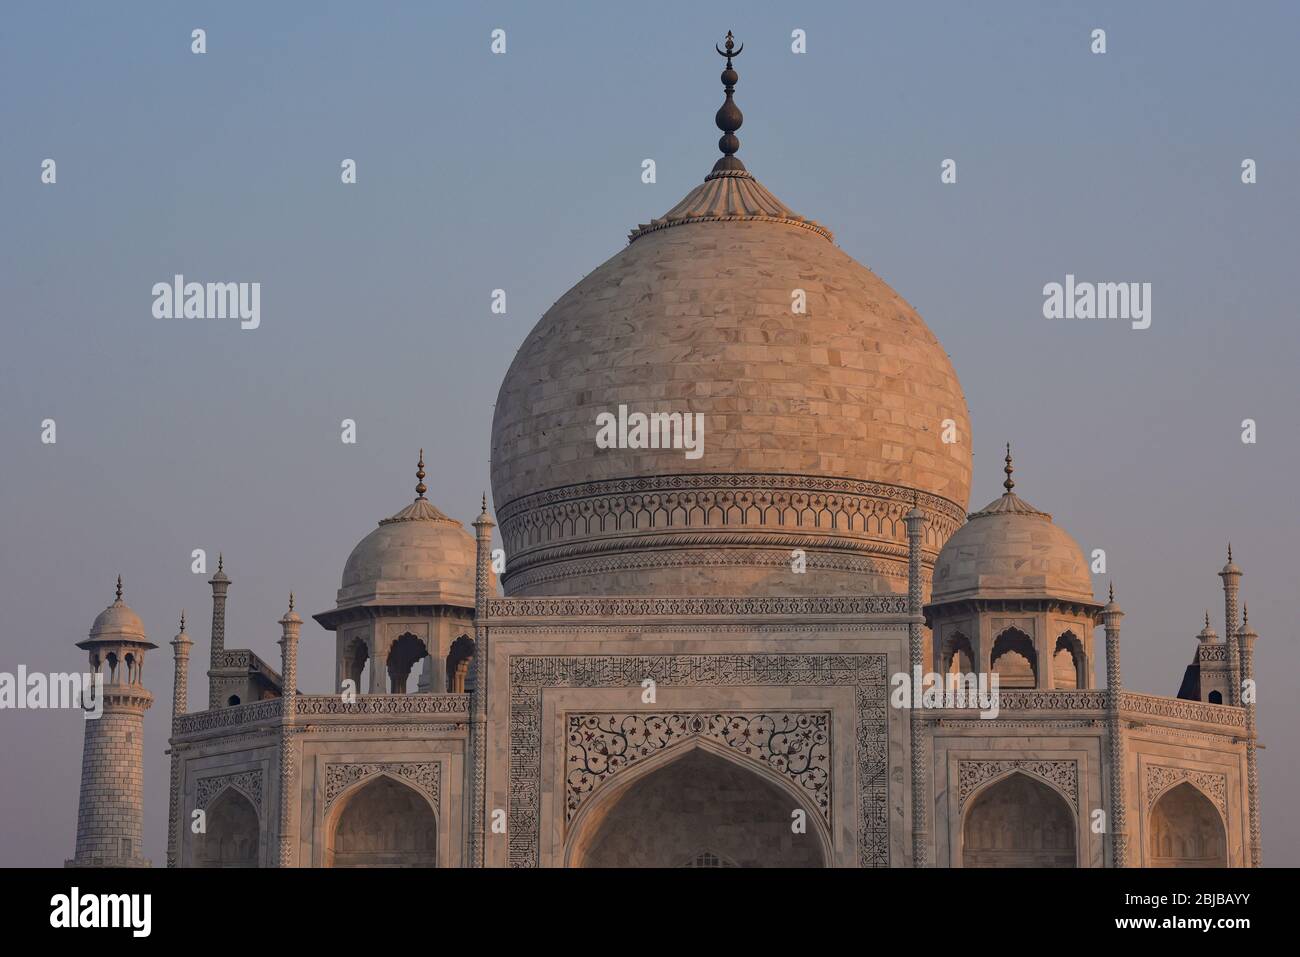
column 1011, row 550
column 822, row 425
column 418, row 556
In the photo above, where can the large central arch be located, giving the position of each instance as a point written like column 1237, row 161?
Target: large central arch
column 382, row 823
column 1019, row 821
column 697, row 806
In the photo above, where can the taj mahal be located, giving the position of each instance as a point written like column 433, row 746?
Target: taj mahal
column 682, row 660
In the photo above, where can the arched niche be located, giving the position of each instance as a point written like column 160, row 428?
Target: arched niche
column 407, row 650
column 1019, row 821
column 1185, row 829
column 1068, row 668
column 1014, row 660
column 458, row 664
column 957, row 655
column 382, row 822
column 692, row 805
column 232, row 834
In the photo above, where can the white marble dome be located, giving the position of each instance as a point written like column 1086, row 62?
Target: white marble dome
column 821, row 426
column 1011, row 550
column 418, row 556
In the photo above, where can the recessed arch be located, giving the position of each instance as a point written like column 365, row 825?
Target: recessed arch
column 957, row 654
column 1014, row 660
column 1185, row 829
column 232, row 832
column 406, row 651
column 459, row 657
column 1068, row 662
column 381, row 821
column 1019, row 820
column 692, row 798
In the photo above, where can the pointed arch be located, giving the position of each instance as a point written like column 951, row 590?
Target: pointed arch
column 1019, row 819
column 1069, row 663
column 744, row 831
column 1185, row 828
column 382, row 821
column 1014, row 659
column 232, row 831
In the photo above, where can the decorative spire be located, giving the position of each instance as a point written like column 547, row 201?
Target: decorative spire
column 1229, row 553
column 1207, row 618
column 119, row 588
column 420, row 488
column 182, row 621
column 485, row 502
column 1008, row 484
column 729, row 116
column 1112, row 593
column 291, row 601
column 221, row 562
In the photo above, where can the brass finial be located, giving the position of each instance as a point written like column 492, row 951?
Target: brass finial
column 485, row 501
column 421, row 488
column 182, row 619
column 221, row 562
column 291, row 601
column 119, row 587
column 729, row 116
column 1229, row 553
column 1008, row 484
column 1245, row 617
column 1112, row 591
column 1207, row 618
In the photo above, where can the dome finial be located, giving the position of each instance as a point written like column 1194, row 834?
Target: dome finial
column 291, row 601
column 1008, row 484
column 420, row 488
column 1207, row 618
column 729, row 116
column 182, row 619
column 221, row 562
column 1229, row 553
column 119, row 587
column 1112, row 591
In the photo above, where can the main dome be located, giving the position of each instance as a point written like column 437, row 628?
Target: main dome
column 821, row 425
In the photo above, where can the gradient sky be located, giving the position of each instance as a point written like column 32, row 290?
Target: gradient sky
column 522, row 172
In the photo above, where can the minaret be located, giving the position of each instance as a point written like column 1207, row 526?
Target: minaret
column 1231, row 576
column 1247, row 638
column 290, row 626
column 220, row 585
column 1110, row 616
column 180, row 705
column 483, row 526
column 110, row 818
column 920, row 762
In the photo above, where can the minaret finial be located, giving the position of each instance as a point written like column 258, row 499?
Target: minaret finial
column 1229, row 553
column 1112, row 591
column 729, row 116
column 1008, row 484
column 221, row 562
column 420, row 488
column 1245, row 617
column 1207, row 618
column 485, row 501
column 291, row 601
column 182, row 619
column 119, row 587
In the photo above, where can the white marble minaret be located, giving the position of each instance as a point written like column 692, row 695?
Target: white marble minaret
column 110, row 817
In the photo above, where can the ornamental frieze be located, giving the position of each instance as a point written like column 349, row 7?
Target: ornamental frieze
column 1160, row 778
column 794, row 744
column 389, row 704
column 425, row 776
column 598, row 607
column 971, row 775
column 248, row 783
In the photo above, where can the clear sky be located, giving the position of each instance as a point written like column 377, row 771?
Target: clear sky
column 523, row 172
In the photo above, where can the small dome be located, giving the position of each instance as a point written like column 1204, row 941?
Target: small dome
column 117, row 622
column 417, row 557
column 1009, row 549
